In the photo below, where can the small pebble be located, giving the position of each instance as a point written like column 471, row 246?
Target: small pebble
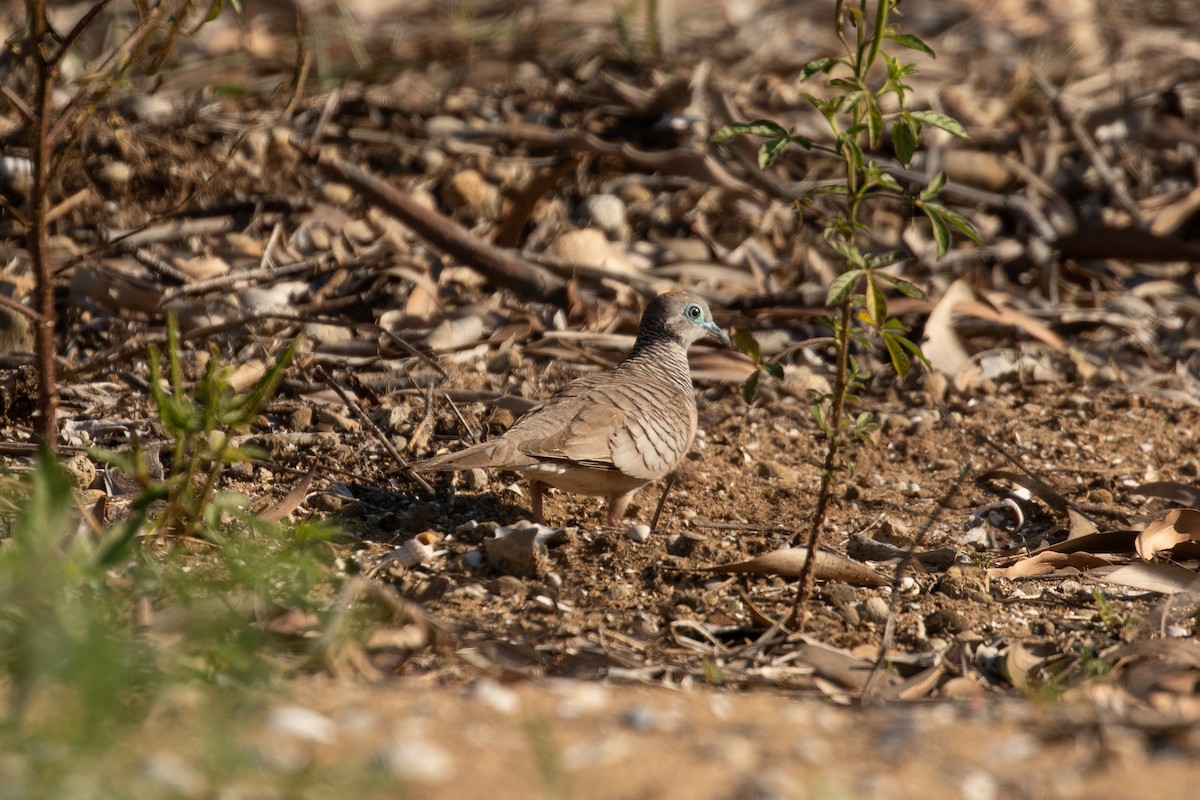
column 579, row 698
column 645, row 719
column 606, row 212
column 475, row 479
column 115, row 174
column 146, row 108
column 301, row 723
column 1070, row 587
column 432, row 159
column 324, row 501
column 644, row 624
column 507, row 586
column 875, row 609
column 419, row 761
column 979, row 785
column 496, row 696
column 175, row 773
column 339, row 194
column 81, row 470
column 638, row 533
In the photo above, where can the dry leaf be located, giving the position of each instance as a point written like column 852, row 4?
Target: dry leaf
column 945, row 349
column 1181, row 525
column 456, row 332
column 247, row 374
column 1162, row 577
column 1173, row 217
column 789, row 561
column 1080, row 525
column 1048, row 561
column 1025, row 657
column 290, row 502
column 941, row 345
column 1185, row 494
column 845, row 669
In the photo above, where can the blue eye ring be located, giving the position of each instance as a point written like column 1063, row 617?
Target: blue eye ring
column 693, row 312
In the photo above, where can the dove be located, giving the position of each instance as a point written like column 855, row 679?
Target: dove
column 610, row 433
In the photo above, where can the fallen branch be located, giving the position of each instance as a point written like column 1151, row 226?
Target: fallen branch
column 501, row 267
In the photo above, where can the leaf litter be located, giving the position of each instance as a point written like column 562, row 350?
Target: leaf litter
column 425, row 284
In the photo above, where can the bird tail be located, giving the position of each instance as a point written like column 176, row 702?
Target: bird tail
column 479, row 455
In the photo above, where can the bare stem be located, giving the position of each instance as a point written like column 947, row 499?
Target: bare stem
column 45, row 67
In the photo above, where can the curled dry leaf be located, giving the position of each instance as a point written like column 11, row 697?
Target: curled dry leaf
column 247, row 374
column 789, row 561
column 456, row 332
column 1048, row 561
column 1182, row 493
column 941, row 345
column 945, row 349
column 1181, row 525
column 1024, row 659
column 1163, row 577
column 293, row 500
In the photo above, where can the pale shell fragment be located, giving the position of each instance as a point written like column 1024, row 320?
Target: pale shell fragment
column 415, row 551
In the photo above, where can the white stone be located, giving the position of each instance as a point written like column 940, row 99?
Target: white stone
column 638, row 533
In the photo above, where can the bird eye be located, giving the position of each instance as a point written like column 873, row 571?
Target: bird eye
column 693, row 311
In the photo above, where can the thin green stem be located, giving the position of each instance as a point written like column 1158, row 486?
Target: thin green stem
column 882, row 7
column 829, row 469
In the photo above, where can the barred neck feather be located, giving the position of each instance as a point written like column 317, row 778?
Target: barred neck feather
column 661, row 357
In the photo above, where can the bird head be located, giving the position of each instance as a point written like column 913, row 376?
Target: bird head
column 680, row 315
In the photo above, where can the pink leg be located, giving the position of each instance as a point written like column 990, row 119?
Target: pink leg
column 616, row 508
column 536, row 488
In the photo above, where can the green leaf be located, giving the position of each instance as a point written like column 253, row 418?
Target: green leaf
column 268, row 383
column 848, row 101
column 770, row 151
column 912, row 347
column 961, row 223
column 904, row 287
column 904, row 141
column 214, row 10
column 746, row 342
column 848, row 251
column 828, row 108
column 126, row 461
column 750, row 387
column 886, row 259
column 935, row 187
column 941, row 233
column 948, row 124
column 758, row 127
column 807, row 144
column 818, row 65
column 911, row 42
column 876, row 302
column 874, row 122
column 774, row 369
column 842, row 286
column 835, row 188
column 900, row 360
column 818, row 415
column 854, row 154
column 887, row 181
